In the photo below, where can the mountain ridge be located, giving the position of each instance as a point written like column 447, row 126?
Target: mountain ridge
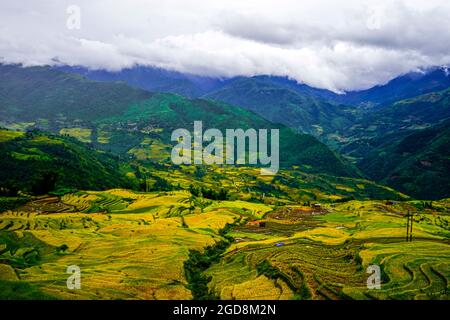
column 63, row 101
column 410, row 84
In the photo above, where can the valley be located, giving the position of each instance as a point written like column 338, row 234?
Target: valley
column 135, row 245
column 86, row 180
column 353, row 124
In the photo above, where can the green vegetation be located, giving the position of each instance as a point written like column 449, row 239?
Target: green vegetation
column 50, row 163
column 163, row 245
column 414, row 161
column 301, row 111
column 19, row 290
column 60, row 94
column 88, row 181
column 122, row 120
column 418, row 162
column 328, row 258
column 7, row 203
column 197, row 264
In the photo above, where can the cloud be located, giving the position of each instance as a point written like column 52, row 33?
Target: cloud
column 337, row 45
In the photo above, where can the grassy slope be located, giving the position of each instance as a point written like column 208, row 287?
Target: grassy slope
column 279, row 104
column 417, row 163
column 137, row 250
column 168, row 112
column 404, row 145
column 328, row 257
column 423, row 110
column 42, row 92
column 288, row 186
column 28, row 162
column 67, row 100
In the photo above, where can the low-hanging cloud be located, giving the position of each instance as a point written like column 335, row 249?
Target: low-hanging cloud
column 337, row 45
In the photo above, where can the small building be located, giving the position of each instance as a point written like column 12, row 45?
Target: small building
column 259, row 224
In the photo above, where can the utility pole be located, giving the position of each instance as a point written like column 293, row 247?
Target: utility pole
column 409, row 226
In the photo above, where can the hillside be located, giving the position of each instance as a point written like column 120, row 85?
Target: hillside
column 277, row 99
column 403, row 87
column 403, row 145
column 285, row 103
column 136, row 124
column 121, row 119
column 416, row 162
column 38, row 163
column 27, row 94
column 417, row 112
column 153, row 79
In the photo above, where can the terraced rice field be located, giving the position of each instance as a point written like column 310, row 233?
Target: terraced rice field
column 132, row 245
column 82, row 134
column 329, row 259
column 418, row 270
column 123, row 254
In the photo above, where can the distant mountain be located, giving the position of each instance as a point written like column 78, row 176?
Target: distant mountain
column 282, row 101
column 405, row 145
column 153, row 79
column 159, row 80
column 43, row 92
column 137, row 123
column 119, row 118
column 414, row 113
column 416, row 162
column 300, row 88
column 403, row 87
column 322, row 113
column 277, row 99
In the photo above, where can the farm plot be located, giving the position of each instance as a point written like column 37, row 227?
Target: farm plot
column 328, row 259
column 121, row 255
column 415, row 270
column 307, row 269
column 132, row 245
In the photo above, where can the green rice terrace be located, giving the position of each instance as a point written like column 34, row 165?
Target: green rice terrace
column 181, row 245
column 86, row 180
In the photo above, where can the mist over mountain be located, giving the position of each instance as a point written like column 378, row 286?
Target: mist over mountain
column 153, row 79
column 224, row 150
column 343, row 46
column 411, row 84
column 402, row 87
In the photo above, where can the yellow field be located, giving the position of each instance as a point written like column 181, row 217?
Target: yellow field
column 134, row 245
column 82, row 134
column 121, row 255
column 6, row 135
column 329, row 260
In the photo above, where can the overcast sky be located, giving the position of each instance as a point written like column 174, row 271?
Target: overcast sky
column 337, row 45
